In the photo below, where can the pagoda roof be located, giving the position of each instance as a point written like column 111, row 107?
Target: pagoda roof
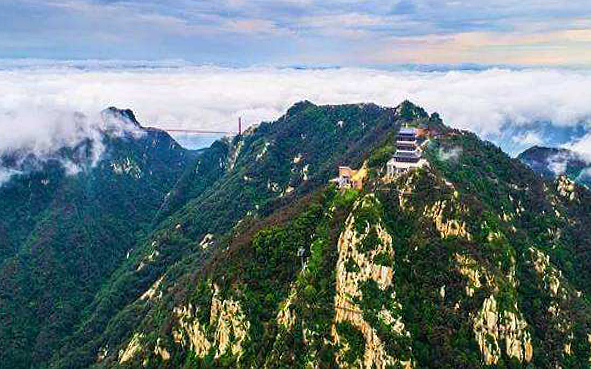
column 407, row 131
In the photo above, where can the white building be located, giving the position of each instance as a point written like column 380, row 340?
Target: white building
column 408, row 154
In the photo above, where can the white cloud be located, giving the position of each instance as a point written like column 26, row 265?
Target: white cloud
column 6, row 174
column 582, row 146
column 558, row 163
column 529, row 138
column 37, row 131
column 452, row 154
column 585, row 175
column 213, row 98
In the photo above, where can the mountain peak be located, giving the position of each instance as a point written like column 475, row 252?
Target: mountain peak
column 299, row 107
column 126, row 115
column 410, row 111
column 552, row 162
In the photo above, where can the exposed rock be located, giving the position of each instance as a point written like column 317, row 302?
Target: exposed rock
column 447, row 227
column 263, row 152
column 155, row 253
column 191, row 333
column 286, row 317
column 206, row 241
column 127, row 166
column 227, row 322
column 348, row 289
column 161, row 351
column 233, row 157
column 133, row 347
column 102, row 353
column 151, row 293
column 469, row 268
column 232, row 326
column 492, row 325
column 566, row 188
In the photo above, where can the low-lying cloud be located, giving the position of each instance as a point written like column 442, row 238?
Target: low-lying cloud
column 581, row 145
column 32, row 136
column 451, row 154
column 37, row 103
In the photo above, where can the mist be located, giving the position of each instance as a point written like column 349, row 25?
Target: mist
column 32, row 136
column 39, row 103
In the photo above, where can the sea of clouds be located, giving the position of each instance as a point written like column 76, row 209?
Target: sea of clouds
column 39, row 102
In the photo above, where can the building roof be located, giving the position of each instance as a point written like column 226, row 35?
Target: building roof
column 407, row 131
column 406, row 144
column 407, row 154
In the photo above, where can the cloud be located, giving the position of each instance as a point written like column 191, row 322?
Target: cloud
column 529, row 139
column 6, row 174
column 558, row 163
column 342, row 32
column 451, row 154
column 585, row 175
column 33, row 134
column 179, row 95
column 581, row 145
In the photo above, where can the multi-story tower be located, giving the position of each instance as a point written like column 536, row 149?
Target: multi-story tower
column 408, row 154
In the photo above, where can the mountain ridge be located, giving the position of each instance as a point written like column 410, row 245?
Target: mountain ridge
column 75, row 227
column 554, row 162
column 253, row 260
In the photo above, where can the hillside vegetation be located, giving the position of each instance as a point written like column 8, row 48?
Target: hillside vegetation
column 253, row 260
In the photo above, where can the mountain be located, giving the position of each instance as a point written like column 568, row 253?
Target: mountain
column 553, row 162
column 232, row 182
column 63, row 233
column 515, row 138
column 473, row 262
column 254, row 259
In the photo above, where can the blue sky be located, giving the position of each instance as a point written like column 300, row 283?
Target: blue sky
column 301, row 32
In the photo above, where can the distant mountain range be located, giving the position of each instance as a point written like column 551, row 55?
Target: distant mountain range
column 244, row 255
column 553, row 162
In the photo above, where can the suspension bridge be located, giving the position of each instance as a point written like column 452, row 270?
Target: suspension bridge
column 205, row 131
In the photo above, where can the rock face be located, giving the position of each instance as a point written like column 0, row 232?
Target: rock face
column 131, row 350
column 447, row 227
column 491, row 327
column 286, row 316
column 227, row 322
column 348, row 287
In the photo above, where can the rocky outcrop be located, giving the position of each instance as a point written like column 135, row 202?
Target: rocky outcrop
column 348, row 290
column 161, row 351
column 492, row 326
column 440, row 212
column 153, row 291
column 133, row 348
column 286, row 316
column 226, row 332
column 469, row 268
column 127, row 166
column 566, row 188
column 552, row 279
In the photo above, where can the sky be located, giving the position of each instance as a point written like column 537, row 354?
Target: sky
column 371, row 33
column 516, row 72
